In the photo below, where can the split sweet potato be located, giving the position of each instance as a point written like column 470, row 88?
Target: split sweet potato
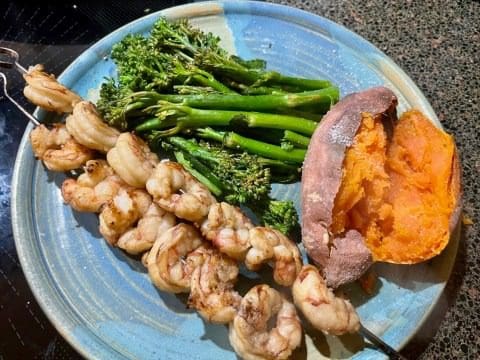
column 375, row 188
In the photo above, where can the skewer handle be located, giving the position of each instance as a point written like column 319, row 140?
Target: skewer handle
column 30, row 117
column 12, row 61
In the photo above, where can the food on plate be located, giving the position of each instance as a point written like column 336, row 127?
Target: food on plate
column 240, row 179
column 132, row 159
column 122, row 212
column 184, row 94
column 166, row 262
column 95, row 187
column 211, row 286
column 424, row 193
column 370, row 181
column 377, row 189
column 88, row 128
column 271, row 246
column 266, row 326
column 175, row 190
column 45, row 91
column 326, row 312
column 57, row 149
column 140, row 238
column 227, row 227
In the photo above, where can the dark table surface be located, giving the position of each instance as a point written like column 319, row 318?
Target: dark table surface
column 436, row 42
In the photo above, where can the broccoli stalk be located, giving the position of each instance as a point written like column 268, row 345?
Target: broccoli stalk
column 296, row 139
column 174, row 118
column 229, row 67
column 233, row 140
column 321, row 99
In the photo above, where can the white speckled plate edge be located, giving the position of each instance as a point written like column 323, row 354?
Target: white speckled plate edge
column 50, row 294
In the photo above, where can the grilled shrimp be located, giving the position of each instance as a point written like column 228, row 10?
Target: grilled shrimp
column 87, row 127
column 93, row 189
column 249, row 332
column 176, row 191
column 141, row 238
column 122, row 212
column 166, row 262
column 326, row 312
column 58, row 149
column 132, row 160
column 270, row 245
column 45, row 91
column 228, row 229
column 212, row 281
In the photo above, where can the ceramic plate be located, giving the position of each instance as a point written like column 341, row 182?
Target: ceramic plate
column 102, row 300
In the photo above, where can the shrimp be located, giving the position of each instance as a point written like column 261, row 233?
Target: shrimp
column 87, row 127
column 122, row 212
column 141, row 238
column 271, row 245
column 57, row 149
column 211, row 285
column 326, row 312
column 92, row 189
column 132, row 160
column 45, row 91
column 249, row 332
column 166, row 259
column 228, row 229
column 175, row 190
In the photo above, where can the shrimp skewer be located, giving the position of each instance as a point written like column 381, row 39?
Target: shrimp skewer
column 132, row 160
column 57, row 149
column 249, row 334
column 142, row 237
column 326, row 312
column 166, row 260
column 175, row 190
column 211, row 286
column 45, row 91
column 228, row 229
column 88, row 128
column 122, row 212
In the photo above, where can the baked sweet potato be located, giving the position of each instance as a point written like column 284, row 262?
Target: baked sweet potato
column 377, row 189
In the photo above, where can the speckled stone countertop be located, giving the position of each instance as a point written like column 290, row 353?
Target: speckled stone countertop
column 436, row 42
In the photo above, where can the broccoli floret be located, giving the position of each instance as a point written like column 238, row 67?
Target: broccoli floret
column 280, row 215
column 244, row 180
column 112, row 102
column 238, row 178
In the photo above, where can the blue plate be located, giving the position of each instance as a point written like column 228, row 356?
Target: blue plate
column 103, row 302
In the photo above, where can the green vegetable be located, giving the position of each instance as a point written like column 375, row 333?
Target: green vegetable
column 229, row 67
column 296, row 139
column 178, row 83
column 233, row 140
column 175, row 118
column 322, row 98
column 242, row 179
column 238, row 178
column 278, row 214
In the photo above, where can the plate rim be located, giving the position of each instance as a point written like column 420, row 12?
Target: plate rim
column 197, row 9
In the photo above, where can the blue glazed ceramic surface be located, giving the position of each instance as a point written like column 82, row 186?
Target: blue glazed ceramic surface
column 102, row 301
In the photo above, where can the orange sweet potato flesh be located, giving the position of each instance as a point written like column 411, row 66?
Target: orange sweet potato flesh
column 402, row 194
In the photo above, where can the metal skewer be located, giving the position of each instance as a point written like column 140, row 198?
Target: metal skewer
column 382, row 345
column 13, row 63
column 30, row 117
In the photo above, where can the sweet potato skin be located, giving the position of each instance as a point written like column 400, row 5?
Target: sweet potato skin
column 321, row 179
